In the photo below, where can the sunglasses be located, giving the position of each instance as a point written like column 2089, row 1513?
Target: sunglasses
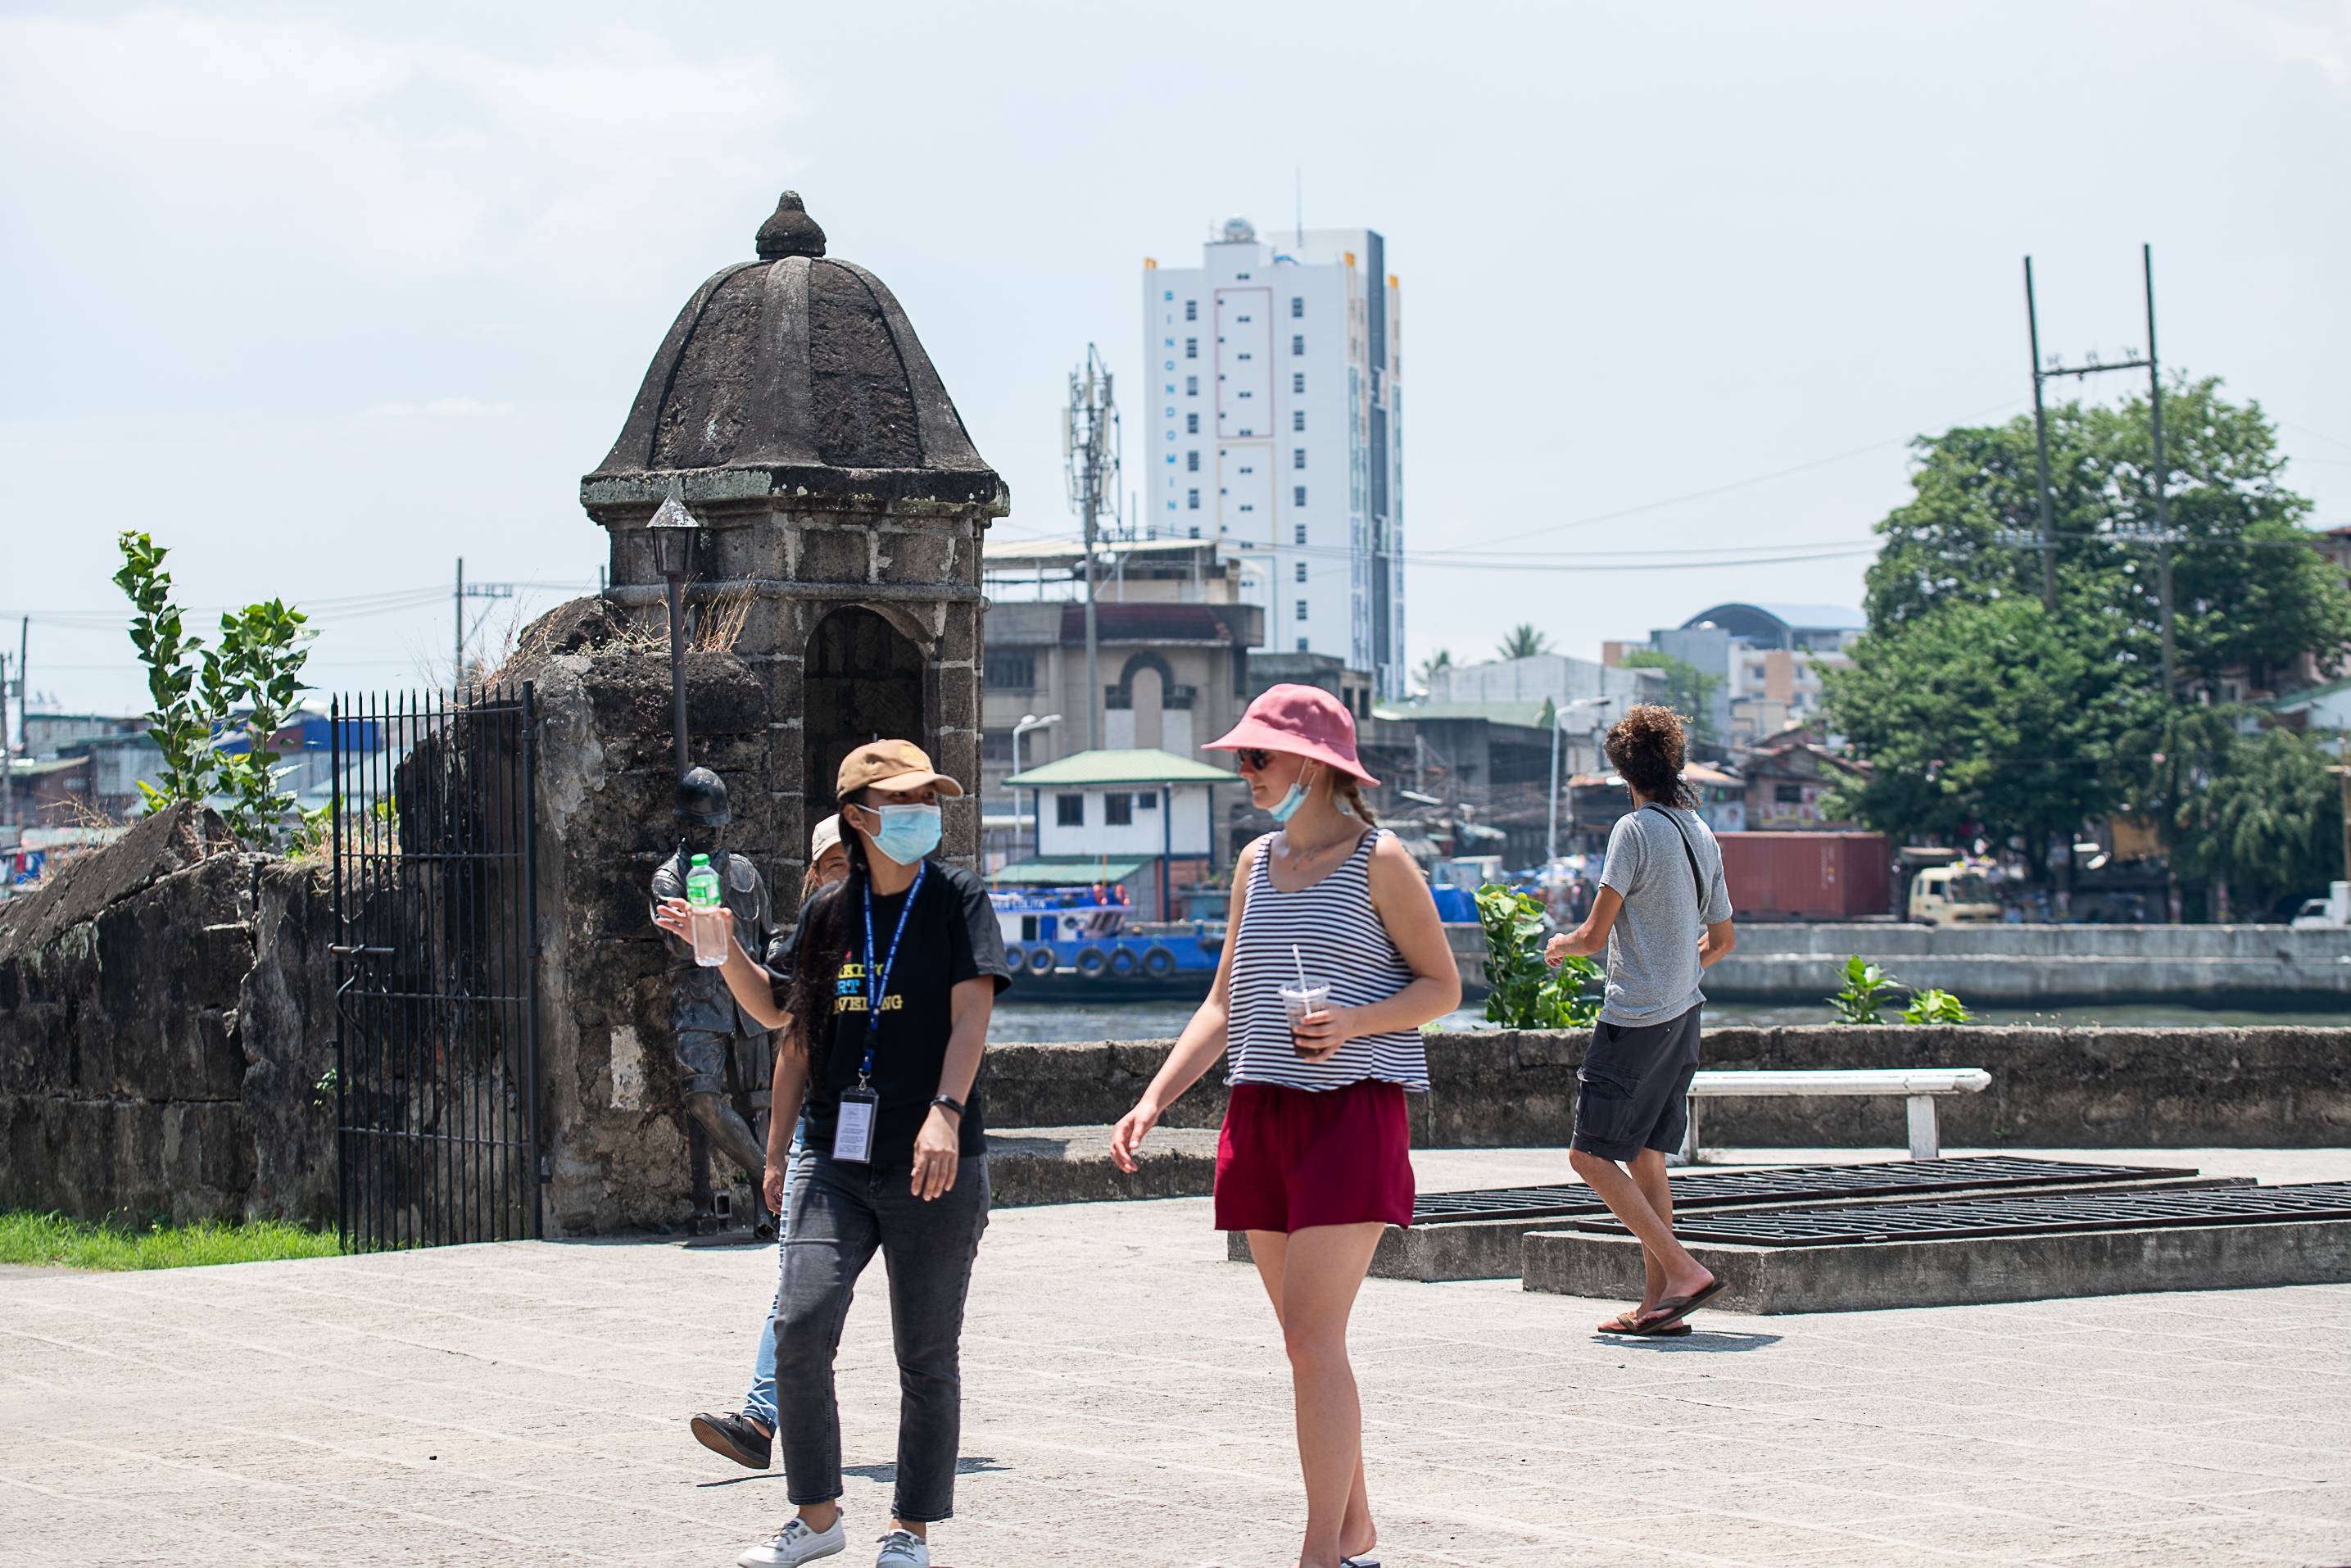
column 1253, row 758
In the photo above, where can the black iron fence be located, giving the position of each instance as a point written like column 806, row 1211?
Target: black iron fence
column 436, row 968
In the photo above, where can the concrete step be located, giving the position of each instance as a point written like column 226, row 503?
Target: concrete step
column 1030, row 1166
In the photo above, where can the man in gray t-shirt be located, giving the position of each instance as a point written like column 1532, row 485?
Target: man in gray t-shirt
column 1658, row 858
column 1664, row 915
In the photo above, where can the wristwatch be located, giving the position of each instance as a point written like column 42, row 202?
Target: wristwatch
column 950, row 1102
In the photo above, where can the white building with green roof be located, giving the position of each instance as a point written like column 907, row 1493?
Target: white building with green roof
column 1142, row 818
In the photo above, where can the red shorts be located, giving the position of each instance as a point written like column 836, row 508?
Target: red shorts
column 1292, row 1158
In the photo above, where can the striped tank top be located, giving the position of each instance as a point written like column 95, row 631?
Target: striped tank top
column 1339, row 936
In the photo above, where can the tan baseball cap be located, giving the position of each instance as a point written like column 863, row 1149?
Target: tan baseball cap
column 826, row 837
column 891, row 765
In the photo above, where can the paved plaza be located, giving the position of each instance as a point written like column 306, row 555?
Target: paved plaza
column 1126, row 1403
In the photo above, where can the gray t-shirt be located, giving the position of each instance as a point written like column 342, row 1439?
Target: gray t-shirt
column 1652, row 970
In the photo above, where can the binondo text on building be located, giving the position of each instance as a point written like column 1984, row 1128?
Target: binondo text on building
column 1274, row 409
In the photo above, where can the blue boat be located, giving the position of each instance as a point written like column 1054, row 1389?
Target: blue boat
column 1074, row 944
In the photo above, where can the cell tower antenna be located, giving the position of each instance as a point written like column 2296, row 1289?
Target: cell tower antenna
column 1090, row 445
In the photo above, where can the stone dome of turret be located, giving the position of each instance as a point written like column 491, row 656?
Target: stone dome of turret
column 796, row 376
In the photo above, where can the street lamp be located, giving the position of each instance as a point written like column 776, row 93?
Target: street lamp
column 673, row 530
column 1558, row 723
column 1028, row 721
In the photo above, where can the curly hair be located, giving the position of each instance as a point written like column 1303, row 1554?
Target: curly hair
column 1649, row 747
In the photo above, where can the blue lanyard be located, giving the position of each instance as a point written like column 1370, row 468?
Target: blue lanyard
column 878, row 982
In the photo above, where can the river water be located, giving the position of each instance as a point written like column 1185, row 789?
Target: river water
column 1048, row 1021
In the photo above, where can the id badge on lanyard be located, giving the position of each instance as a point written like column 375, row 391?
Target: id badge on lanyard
column 852, row 1134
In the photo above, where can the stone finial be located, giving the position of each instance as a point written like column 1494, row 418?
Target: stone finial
column 791, row 232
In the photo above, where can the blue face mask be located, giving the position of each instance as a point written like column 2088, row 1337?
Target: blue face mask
column 907, row 833
column 1287, row 807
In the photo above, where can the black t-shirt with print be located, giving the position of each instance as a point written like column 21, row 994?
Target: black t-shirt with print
column 951, row 937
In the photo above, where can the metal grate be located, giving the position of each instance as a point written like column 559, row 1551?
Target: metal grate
column 2024, row 1215
column 1719, row 1189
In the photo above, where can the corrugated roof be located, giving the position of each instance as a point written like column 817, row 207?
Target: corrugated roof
column 1065, row 871
column 1143, row 764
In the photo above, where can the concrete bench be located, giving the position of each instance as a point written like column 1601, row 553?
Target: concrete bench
column 1920, row 1085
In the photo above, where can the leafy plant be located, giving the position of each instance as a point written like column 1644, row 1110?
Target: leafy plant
column 1525, row 992
column 1934, row 1005
column 1689, row 691
column 1428, row 668
column 198, row 690
column 1865, row 986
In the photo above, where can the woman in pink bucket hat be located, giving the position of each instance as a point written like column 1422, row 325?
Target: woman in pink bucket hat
column 1336, row 958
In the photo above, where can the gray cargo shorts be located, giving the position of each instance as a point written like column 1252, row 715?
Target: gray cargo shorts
column 1632, row 1090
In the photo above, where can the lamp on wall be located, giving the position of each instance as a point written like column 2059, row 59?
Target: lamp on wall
column 673, row 531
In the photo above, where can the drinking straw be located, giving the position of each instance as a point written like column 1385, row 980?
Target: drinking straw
column 1302, row 966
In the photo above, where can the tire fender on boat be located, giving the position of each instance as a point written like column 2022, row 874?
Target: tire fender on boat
column 1091, row 961
column 1158, row 963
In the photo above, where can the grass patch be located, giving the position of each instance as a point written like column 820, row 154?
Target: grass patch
column 52, row 1239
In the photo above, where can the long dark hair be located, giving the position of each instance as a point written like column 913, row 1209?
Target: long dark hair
column 1649, row 747
column 827, row 930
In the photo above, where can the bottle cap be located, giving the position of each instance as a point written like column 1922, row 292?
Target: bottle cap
column 701, row 860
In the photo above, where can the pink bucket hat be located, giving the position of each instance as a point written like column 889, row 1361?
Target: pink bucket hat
column 1305, row 721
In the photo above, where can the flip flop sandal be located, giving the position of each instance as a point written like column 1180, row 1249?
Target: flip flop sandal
column 1359, row 1563
column 1623, row 1322
column 1672, row 1309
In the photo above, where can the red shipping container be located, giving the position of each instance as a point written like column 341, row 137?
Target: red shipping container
column 1808, row 876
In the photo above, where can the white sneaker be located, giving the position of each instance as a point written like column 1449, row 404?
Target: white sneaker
column 796, row 1543
column 904, row 1548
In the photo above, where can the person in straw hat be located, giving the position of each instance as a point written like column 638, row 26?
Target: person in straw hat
column 1313, row 1159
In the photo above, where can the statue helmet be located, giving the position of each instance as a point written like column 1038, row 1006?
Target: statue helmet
column 702, row 799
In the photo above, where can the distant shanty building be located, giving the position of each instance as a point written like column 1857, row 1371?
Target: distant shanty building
column 1274, row 411
column 1139, row 818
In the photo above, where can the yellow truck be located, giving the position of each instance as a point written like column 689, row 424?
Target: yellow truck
column 1952, row 896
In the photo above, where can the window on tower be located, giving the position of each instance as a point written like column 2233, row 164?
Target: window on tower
column 1191, row 462
column 1191, row 386
column 1298, row 457
column 1301, row 571
column 1192, row 500
column 1191, row 310
column 1298, row 346
column 1301, row 610
column 1298, row 498
column 1302, row 528
column 1297, row 419
column 1302, row 645
column 1191, row 425
column 1298, row 383
column 1191, row 347
column 1297, row 306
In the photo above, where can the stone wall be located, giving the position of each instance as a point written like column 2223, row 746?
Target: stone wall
column 166, row 1015
column 2052, row 1088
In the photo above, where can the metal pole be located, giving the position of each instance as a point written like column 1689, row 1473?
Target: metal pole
column 457, row 603
column 677, row 670
column 2041, row 441
column 2162, row 511
column 1550, row 825
column 7, row 758
column 1087, row 500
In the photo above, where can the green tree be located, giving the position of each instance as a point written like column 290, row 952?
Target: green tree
column 1524, row 641
column 1980, row 711
column 1689, row 691
column 1440, row 660
column 2258, row 813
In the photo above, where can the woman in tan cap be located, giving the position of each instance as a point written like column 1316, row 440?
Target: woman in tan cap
column 1337, row 957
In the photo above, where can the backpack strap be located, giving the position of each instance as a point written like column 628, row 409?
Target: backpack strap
column 1698, row 881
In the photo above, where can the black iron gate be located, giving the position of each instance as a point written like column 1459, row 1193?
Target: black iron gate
column 436, row 1059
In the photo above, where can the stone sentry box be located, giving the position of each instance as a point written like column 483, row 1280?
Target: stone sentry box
column 796, row 411
column 842, row 508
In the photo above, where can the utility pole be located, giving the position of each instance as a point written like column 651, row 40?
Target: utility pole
column 2048, row 544
column 1090, row 450
column 7, row 758
column 479, row 590
column 2160, row 535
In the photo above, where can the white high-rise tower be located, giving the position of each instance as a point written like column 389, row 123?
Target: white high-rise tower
column 1275, row 419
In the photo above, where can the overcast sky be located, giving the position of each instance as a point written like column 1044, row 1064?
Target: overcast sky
column 325, row 297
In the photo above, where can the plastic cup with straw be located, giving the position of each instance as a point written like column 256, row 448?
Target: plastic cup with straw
column 1301, row 1001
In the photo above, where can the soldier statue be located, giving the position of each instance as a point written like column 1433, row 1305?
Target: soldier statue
column 706, row 1027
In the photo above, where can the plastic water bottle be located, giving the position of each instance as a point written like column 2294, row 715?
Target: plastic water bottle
column 710, row 917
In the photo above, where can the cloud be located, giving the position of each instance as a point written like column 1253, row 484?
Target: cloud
column 412, row 156
column 2320, row 35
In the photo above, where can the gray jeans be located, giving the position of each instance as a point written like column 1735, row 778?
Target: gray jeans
column 840, row 1215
